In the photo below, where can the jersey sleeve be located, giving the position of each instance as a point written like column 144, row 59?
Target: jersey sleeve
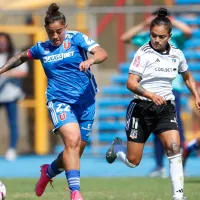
column 138, row 64
column 83, row 41
column 183, row 64
column 34, row 52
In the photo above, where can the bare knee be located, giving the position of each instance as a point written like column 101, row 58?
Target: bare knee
column 173, row 149
column 134, row 160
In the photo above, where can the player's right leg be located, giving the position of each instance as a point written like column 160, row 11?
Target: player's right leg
column 57, row 166
column 136, row 136
column 49, row 171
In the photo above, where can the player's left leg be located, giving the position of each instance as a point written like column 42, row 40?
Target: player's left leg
column 171, row 142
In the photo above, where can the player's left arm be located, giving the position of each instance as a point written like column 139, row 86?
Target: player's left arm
column 98, row 56
column 15, row 61
column 191, row 84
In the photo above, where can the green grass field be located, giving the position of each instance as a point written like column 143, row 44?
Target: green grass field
column 103, row 189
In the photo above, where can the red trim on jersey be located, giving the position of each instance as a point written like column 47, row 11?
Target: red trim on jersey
column 30, row 57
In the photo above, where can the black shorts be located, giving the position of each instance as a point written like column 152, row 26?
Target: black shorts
column 145, row 117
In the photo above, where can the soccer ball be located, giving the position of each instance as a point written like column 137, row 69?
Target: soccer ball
column 2, row 191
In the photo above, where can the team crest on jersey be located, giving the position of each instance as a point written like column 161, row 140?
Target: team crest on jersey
column 62, row 116
column 173, row 60
column 46, row 51
column 136, row 61
column 66, row 45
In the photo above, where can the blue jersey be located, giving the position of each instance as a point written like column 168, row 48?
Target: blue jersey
column 66, row 82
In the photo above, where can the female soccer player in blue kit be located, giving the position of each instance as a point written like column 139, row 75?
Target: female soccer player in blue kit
column 70, row 93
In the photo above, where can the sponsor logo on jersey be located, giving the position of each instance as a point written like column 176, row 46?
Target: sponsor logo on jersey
column 67, row 45
column 136, row 61
column 162, row 69
column 62, row 116
column 57, row 57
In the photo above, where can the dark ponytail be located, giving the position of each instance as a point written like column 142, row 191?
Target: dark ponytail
column 54, row 15
column 162, row 19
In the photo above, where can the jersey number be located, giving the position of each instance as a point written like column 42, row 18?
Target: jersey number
column 135, row 123
column 88, row 40
column 62, row 107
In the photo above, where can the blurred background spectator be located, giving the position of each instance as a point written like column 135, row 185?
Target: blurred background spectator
column 11, row 92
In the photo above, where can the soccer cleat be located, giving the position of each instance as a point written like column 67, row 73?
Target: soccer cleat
column 110, row 154
column 180, row 198
column 11, row 154
column 43, row 181
column 158, row 172
column 76, row 195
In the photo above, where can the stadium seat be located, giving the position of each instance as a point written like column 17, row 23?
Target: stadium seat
column 114, row 102
column 120, row 78
column 111, row 113
column 187, row 1
column 190, row 21
column 194, row 66
column 191, row 54
column 115, row 90
column 196, row 33
column 131, row 55
column 108, row 136
column 192, row 43
column 124, row 67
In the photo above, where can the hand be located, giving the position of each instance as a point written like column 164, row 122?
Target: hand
column 85, row 65
column 197, row 103
column 158, row 100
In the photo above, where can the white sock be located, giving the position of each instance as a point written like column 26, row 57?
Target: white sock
column 121, row 155
column 176, row 174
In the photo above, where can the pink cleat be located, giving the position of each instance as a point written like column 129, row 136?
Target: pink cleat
column 43, row 181
column 76, row 195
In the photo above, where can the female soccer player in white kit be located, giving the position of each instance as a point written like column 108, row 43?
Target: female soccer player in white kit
column 154, row 67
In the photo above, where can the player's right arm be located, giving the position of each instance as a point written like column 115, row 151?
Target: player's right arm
column 134, row 86
column 15, row 61
column 136, row 71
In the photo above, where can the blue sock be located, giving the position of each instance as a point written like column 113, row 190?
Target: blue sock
column 53, row 171
column 193, row 146
column 73, row 179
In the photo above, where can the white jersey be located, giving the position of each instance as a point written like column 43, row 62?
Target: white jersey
column 158, row 70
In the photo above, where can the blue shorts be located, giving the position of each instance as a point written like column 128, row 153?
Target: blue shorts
column 63, row 113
